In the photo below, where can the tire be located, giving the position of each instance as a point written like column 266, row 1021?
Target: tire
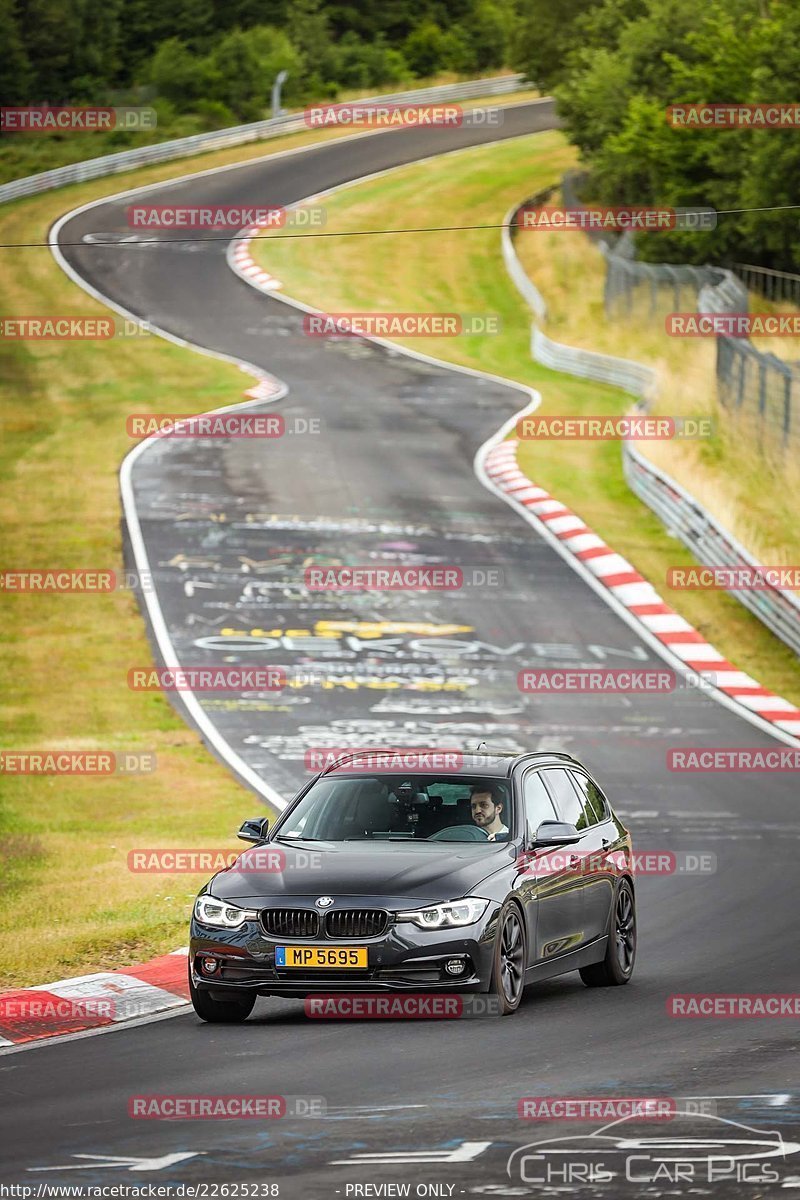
column 221, row 1012
column 617, row 966
column 509, row 960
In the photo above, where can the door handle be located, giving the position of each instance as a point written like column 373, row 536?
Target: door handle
column 574, row 859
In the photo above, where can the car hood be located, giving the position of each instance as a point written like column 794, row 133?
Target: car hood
column 390, row 871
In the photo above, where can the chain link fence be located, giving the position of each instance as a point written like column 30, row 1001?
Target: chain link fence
column 778, row 286
column 757, row 389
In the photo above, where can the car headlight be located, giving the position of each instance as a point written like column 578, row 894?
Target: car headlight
column 447, row 916
column 209, row 911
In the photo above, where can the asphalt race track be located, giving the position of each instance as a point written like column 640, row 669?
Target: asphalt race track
column 389, row 477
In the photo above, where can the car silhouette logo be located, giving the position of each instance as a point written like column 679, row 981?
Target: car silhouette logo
column 324, row 901
column 702, row 1146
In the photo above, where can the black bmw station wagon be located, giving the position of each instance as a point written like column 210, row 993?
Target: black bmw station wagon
column 393, row 872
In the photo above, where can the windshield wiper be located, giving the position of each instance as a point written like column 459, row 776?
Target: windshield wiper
column 296, row 837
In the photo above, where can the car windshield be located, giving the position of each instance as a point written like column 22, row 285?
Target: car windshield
column 383, row 808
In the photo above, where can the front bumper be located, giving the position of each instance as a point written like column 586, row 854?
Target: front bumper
column 405, row 958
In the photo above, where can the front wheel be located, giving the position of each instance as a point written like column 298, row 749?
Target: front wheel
column 227, row 1012
column 510, row 960
column 617, row 966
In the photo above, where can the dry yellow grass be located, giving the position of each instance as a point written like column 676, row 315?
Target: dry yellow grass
column 748, row 486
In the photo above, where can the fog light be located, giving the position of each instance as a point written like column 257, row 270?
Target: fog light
column 210, row 965
column 455, row 966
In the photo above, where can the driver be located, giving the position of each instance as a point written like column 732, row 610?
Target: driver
column 486, row 803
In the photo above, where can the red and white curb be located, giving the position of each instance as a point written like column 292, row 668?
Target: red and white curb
column 266, row 389
column 632, row 590
column 243, row 263
column 91, row 1002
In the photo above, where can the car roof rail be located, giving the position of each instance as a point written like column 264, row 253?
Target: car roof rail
column 377, row 750
column 548, row 754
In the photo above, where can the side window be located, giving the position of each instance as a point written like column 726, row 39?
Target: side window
column 592, row 797
column 566, row 799
column 538, row 805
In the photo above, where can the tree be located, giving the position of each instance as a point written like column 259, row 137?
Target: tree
column 309, row 32
column 176, row 74
column 52, row 34
column 426, row 49
column 614, row 99
column 546, row 37
column 237, row 77
column 15, row 67
column 488, row 30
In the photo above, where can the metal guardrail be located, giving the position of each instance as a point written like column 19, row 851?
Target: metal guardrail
column 508, row 235
column 709, row 542
column 623, row 373
column 681, row 513
column 237, row 135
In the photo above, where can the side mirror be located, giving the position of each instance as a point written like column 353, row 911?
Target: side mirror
column 255, row 830
column 556, row 833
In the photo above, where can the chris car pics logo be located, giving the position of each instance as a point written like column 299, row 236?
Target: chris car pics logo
column 694, row 1150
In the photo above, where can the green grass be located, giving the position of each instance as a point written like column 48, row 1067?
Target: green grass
column 462, row 271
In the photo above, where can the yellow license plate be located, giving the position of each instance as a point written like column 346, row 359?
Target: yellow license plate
column 316, row 957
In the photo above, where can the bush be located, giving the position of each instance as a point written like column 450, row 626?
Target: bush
column 425, row 49
column 236, row 78
column 213, row 114
column 176, row 74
